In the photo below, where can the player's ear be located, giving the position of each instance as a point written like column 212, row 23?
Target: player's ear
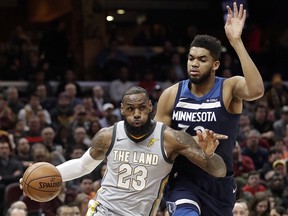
column 150, row 106
column 216, row 65
column 122, row 109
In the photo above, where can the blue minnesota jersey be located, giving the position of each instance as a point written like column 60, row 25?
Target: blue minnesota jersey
column 193, row 113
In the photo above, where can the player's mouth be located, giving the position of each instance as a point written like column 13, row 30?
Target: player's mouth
column 194, row 72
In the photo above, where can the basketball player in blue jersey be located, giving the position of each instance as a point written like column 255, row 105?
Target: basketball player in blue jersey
column 207, row 101
column 140, row 153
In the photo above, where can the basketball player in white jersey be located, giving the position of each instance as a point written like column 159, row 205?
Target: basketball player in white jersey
column 140, row 153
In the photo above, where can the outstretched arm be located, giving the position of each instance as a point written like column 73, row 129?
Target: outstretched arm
column 249, row 87
column 76, row 168
column 180, row 142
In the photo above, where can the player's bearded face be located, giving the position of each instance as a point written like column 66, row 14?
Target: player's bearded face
column 202, row 78
column 138, row 131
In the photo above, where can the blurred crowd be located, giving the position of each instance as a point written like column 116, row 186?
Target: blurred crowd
column 44, row 123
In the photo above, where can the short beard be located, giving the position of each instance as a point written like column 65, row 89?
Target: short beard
column 138, row 131
column 201, row 79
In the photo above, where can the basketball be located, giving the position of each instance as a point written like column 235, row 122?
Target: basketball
column 42, row 182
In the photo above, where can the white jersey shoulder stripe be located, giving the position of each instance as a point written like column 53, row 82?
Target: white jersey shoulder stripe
column 193, row 106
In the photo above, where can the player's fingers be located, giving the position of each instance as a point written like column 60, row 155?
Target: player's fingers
column 200, row 135
column 229, row 11
column 240, row 14
column 235, row 9
column 220, row 136
column 20, row 183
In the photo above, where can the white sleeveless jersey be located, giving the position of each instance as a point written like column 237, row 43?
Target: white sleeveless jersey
column 136, row 173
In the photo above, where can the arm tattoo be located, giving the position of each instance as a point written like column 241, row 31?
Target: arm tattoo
column 184, row 138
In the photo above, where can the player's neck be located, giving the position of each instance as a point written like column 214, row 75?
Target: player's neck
column 142, row 134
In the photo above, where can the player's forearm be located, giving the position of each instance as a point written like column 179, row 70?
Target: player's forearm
column 76, row 168
column 216, row 165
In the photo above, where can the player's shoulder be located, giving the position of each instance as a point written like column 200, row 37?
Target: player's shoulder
column 104, row 133
column 172, row 90
column 103, row 138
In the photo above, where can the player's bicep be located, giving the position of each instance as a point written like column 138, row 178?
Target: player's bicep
column 239, row 88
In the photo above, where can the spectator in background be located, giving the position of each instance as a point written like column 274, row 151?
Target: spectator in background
column 42, row 119
column 91, row 113
column 11, row 168
column 62, row 114
column 259, row 205
column 13, row 100
column 50, row 208
column 279, row 166
column 261, row 123
column 33, row 134
column 244, row 128
column 69, row 77
column 253, row 185
column 109, row 118
column 64, row 137
column 77, row 152
column 23, row 152
column 274, row 153
column 80, row 138
column 242, row 163
column 86, row 186
column 279, row 126
column 40, row 153
column 39, row 78
column 94, row 128
column 31, row 109
column 80, row 118
column 278, row 189
column 18, row 130
column 278, row 211
column 179, row 68
column 97, row 183
column 71, row 92
column 253, row 150
column 47, row 102
column 241, row 208
column 7, row 117
column 119, row 85
column 81, row 201
column 48, row 135
column 99, row 98
column 276, row 95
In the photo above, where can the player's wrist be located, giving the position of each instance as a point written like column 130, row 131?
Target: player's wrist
column 207, row 155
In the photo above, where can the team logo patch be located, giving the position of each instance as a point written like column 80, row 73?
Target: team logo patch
column 152, row 141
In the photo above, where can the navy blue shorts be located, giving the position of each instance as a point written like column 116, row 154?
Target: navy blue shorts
column 205, row 196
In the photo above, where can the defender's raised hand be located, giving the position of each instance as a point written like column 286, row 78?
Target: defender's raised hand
column 209, row 140
column 235, row 22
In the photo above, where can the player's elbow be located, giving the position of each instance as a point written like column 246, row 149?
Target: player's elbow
column 220, row 172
